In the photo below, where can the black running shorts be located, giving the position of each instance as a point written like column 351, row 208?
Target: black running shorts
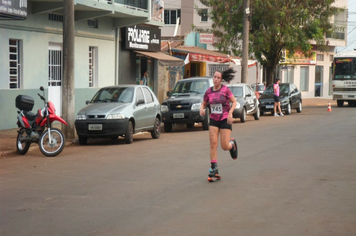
column 276, row 98
column 220, row 124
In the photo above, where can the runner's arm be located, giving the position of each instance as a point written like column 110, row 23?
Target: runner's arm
column 233, row 105
column 202, row 108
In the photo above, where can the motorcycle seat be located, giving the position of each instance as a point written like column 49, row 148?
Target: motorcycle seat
column 30, row 115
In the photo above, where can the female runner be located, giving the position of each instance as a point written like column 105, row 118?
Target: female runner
column 219, row 98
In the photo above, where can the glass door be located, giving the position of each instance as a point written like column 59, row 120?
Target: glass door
column 319, row 75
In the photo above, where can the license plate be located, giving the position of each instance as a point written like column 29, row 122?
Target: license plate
column 95, row 127
column 269, row 106
column 178, row 115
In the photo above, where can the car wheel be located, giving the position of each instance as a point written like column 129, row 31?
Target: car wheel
column 168, row 127
column 300, row 107
column 206, row 120
column 156, row 132
column 243, row 115
column 129, row 132
column 83, row 140
column 340, row 103
column 289, row 109
column 257, row 114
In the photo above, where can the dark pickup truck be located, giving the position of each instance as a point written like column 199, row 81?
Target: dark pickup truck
column 183, row 103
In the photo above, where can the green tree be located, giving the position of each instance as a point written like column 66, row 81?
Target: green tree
column 275, row 25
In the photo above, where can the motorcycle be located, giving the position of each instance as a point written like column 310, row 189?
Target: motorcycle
column 37, row 128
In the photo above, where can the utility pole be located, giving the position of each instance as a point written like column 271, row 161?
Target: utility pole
column 68, row 87
column 245, row 42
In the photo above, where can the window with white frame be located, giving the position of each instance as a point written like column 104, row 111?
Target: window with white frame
column 320, row 57
column 339, row 24
column 289, row 75
column 171, row 16
column 93, row 52
column 14, row 63
column 304, row 78
column 203, row 15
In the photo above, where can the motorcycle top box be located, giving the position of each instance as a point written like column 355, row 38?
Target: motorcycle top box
column 24, row 102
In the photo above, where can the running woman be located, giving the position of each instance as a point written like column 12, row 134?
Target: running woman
column 219, row 98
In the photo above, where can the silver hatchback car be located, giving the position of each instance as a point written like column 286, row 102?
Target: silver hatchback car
column 120, row 110
column 247, row 102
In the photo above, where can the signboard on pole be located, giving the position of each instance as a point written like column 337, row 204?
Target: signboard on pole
column 206, row 38
column 13, row 9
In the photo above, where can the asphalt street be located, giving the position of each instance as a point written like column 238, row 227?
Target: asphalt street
column 295, row 175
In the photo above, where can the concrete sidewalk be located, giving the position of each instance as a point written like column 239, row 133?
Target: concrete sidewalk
column 8, row 137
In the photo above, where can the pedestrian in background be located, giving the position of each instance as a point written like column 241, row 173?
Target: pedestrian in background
column 219, row 98
column 143, row 78
column 277, row 102
column 160, row 7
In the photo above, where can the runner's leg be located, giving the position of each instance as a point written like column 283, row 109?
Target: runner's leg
column 214, row 138
column 225, row 137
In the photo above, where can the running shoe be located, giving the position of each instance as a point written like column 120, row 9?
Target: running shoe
column 281, row 114
column 233, row 150
column 276, row 115
column 213, row 172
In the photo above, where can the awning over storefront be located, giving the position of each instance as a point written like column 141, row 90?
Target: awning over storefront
column 250, row 63
column 200, row 54
column 159, row 56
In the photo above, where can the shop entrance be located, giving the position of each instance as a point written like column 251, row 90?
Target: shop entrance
column 55, row 73
column 195, row 69
column 144, row 71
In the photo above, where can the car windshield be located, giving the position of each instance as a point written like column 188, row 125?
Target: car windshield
column 198, row 86
column 114, row 94
column 261, row 87
column 283, row 89
column 236, row 91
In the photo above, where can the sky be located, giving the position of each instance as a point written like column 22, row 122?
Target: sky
column 351, row 28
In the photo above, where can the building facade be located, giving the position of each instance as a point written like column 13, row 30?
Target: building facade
column 114, row 41
column 311, row 75
column 185, row 30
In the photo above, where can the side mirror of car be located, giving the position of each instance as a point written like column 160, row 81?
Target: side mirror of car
column 169, row 94
column 139, row 102
column 87, row 102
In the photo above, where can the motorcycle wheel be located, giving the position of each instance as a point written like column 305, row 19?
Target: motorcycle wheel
column 22, row 145
column 57, row 144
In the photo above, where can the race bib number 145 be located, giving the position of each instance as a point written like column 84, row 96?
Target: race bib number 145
column 216, row 108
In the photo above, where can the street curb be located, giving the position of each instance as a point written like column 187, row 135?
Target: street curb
column 14, row 152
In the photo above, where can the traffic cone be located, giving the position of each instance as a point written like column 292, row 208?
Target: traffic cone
column 329, row 107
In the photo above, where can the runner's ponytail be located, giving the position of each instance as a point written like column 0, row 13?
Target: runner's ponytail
column 227, row 75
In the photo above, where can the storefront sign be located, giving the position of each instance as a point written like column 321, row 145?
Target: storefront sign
column 298, row 58
column 143, row 38
column 206, row 38
column 13, row 9
column 205, row 57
